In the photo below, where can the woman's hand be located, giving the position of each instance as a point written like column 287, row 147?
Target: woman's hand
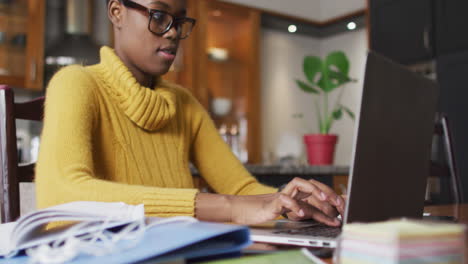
column 300, row 199
column 318, row 201
column 256, row 209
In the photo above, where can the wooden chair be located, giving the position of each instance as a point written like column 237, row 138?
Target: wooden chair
column 12, row 173
column 444, row 168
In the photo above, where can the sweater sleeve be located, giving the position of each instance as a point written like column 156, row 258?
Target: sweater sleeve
column 216, row 162
column 64, row 170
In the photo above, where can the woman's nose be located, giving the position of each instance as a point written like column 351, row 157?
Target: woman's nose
column 173, row 33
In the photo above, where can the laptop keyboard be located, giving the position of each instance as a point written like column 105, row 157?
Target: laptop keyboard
column 318, row 231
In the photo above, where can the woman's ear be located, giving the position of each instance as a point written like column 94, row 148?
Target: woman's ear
column 114, row 12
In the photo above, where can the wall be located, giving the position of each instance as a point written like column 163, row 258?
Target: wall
column 282, row 55
column 354, row 44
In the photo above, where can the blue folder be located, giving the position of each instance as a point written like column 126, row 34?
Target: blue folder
column 171, row 241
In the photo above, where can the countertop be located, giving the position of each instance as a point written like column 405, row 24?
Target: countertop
column 260, row 169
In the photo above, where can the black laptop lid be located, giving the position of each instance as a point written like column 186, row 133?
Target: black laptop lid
column 392, row 145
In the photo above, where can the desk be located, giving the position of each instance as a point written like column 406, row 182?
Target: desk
column 459, row 211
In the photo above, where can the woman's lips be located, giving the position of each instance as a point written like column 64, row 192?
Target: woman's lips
column 167, row 55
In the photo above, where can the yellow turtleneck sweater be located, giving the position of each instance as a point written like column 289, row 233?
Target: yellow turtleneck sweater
column 107, row 138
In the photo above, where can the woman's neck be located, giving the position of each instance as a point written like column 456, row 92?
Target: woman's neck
column 144, row 79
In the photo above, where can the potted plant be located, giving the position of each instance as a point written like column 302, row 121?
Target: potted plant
column 322, row 78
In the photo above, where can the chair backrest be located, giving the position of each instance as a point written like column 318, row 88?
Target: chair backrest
column 12, row 173
column 446, row 170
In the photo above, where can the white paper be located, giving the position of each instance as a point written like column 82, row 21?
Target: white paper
column 28, row 231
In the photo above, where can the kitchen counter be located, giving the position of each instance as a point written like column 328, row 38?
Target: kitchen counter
column 291, row 169
column 297, row 169
column 276, row 175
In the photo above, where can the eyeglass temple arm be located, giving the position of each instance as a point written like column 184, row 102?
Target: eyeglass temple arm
column 136, row 6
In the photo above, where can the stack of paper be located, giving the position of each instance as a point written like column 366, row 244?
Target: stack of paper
column 402, row 241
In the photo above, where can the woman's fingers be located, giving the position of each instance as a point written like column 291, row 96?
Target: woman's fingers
column 254, row 209
column 332, row 197
column 300, row 188
column 313, row 213
column 324, row 219
column 284, row 204
column 324, row 207
column 314, row 200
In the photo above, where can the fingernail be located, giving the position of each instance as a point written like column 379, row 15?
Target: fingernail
column 323, row 196
column 301, row 213
column 337, row 221
column 338, row 201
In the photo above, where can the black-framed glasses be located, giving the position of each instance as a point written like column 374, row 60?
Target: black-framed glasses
column 161, row 22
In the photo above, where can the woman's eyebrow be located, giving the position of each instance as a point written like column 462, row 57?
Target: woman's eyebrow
column 167, row 7
column 160, row 3
column 183, row 12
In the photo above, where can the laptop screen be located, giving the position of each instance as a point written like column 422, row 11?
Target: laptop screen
column 392, row 143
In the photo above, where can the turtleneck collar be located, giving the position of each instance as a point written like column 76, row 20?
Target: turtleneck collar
column 150, row 109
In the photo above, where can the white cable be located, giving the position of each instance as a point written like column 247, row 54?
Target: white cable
column 97, row 243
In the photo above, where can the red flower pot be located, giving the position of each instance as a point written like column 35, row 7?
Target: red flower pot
column 320, row 148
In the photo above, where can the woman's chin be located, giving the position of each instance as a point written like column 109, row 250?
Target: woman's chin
column 161, row 70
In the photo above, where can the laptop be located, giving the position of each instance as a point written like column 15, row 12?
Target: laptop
column 391, row 156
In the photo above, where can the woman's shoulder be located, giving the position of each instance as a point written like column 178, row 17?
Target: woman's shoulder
column 72, row 81
column 73, row 75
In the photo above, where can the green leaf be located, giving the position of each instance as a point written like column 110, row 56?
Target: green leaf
column 340, row 77
column 312, row 67
column 335, row 71
column 306, row 88
column 325, row 83
column 348, row 111
column 338, row 113
column 338, row 59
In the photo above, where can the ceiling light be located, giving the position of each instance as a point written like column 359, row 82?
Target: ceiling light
column 351, row 26
column 292, row 28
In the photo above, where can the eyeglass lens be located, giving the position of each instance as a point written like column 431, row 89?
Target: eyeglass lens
column 161, row 21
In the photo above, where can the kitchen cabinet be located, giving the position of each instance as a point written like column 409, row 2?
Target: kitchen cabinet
column 402, row 30
column 22, row 43
column 219, row 62
column 451, row 23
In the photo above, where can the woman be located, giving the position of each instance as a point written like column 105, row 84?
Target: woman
column 116, row 131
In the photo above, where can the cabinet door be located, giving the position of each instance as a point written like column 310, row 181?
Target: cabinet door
column 402, row 29
column 21, row 43
column 451, row 24
column 228, row 72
